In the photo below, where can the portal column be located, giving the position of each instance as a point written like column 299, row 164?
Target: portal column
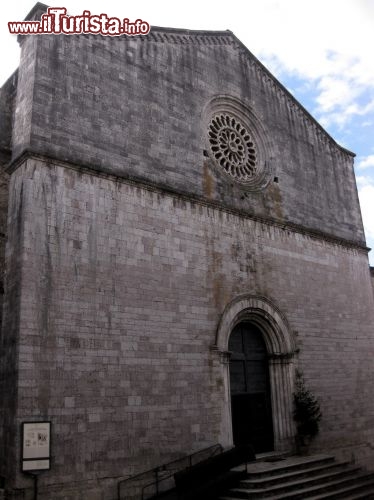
column 281, row 382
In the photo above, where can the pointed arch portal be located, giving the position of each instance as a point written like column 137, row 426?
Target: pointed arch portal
column 257, row 349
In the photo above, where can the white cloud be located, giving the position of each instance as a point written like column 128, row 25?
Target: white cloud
column 366, row 195
column 335, row 92
column 330, row 44
column 339, row 113
column 366, row 162
column 367, row 123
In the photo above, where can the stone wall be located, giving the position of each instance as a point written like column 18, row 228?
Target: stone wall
column 137, row 107
column 7, row 356
column 7, row 101
column 127, row 244
column 9, row 432
column 124, row 292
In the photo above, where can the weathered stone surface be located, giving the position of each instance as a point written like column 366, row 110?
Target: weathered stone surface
column 129, row 107
column 127, row 247
column 7, row 98
column 124, row 290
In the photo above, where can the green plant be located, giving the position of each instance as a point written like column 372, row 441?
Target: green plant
column 307, row 413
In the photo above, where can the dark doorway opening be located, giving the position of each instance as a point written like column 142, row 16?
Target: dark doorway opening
column 250, row 389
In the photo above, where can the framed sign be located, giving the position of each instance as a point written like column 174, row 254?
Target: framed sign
column 36, row 446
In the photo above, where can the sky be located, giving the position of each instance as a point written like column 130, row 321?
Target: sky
column 321, row 50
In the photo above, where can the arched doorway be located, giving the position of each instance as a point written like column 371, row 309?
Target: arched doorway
column 276, row 334
column 250, row 388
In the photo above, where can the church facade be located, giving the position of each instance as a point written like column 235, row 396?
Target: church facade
column 181, row 237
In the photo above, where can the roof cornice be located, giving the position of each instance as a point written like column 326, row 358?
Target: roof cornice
column 202, row 37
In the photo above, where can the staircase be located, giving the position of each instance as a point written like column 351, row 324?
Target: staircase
column 316, row 477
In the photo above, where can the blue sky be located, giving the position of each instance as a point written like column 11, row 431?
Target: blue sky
column 321, row 50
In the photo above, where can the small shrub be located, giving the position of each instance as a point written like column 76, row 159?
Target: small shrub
column 307, row 413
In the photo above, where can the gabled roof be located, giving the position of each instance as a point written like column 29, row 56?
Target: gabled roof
column 203, row 37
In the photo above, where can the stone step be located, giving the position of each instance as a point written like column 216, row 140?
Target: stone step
column 352, row 493
column 337, row 490
column 291, row 464
column 364, row 491
column 306, row 489
column 299, row 473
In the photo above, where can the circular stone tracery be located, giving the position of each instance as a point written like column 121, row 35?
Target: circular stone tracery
column 233, row 147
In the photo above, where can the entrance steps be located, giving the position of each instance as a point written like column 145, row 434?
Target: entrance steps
column 314, row 477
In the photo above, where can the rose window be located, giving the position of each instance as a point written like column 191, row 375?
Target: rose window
column 232, row 147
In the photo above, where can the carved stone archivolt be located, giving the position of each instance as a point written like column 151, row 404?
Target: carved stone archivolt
column 281, row 351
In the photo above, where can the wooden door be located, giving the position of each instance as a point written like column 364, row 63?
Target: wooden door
column 250, row 389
